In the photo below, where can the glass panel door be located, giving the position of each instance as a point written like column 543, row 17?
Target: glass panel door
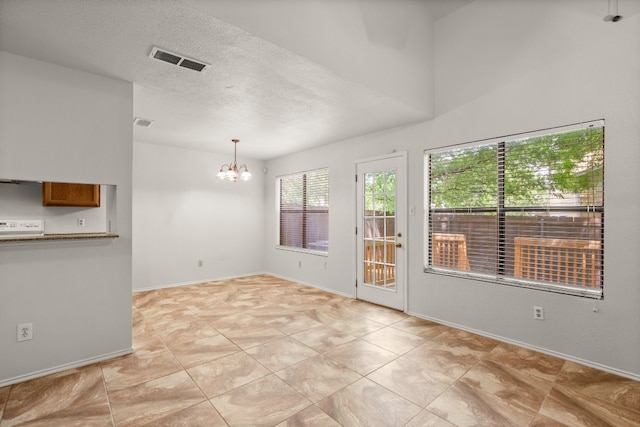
column 379, row 229
column 381, row 200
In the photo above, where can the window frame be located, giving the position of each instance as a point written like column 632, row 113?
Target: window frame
column 304, row 211
column 501, row 211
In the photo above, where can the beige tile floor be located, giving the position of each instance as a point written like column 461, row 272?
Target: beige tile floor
column 261, row 351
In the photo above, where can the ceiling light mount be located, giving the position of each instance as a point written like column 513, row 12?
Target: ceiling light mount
column 140, row 121
column 232, row 172
column 612, row 17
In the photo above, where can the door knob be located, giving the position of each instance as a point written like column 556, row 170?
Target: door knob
column 398, row 245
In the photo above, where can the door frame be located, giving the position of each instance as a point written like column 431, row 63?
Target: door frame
column 403, row 156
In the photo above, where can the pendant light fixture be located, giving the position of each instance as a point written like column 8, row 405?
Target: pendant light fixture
column 232, row 172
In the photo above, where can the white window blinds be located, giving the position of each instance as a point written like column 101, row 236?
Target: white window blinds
column 304, row 210
column 527, row 209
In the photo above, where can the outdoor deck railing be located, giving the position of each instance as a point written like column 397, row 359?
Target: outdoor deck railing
column 380, row 268
column 449, row 251
column 572, row 262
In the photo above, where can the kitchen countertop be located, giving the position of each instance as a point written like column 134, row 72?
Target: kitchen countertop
column 57, row 236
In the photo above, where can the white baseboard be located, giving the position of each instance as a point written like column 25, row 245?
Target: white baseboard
column 66, row 366
column 331, row 291
column 578, row 360
column 196, row 282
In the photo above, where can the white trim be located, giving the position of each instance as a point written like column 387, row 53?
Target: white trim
column 302, row 172
column 557, row 288
column 277, row 182
column 404, row 157
column 196, row 282
column 518, row 136
column 300, row 282
column 204, row 281
column 383, row 157
column 570, row 358
column 502, row 278
column 66, row 366
column 302, row 250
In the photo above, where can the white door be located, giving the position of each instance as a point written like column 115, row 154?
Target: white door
column 381, row 230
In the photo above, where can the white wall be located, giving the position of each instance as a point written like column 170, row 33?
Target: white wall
column 364, row 41
column 502, row 68
column 183, row 214
column 335, row 272
column 64, row 125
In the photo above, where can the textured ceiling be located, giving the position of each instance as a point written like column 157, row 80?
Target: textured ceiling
column 273, row 100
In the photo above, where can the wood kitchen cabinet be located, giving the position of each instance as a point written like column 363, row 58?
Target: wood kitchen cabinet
column 67, row 194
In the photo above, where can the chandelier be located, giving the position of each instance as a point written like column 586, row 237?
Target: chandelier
column 231, row 172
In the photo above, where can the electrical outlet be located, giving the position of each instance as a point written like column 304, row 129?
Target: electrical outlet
column 80, row 222
column 25, row 332
column 200, row 263
column 538, row 313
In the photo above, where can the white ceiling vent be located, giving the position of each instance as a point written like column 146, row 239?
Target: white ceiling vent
column 179, row 60
column 139, row 121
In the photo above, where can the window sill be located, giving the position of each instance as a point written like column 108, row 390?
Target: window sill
column 304, row 251
column 539, row 286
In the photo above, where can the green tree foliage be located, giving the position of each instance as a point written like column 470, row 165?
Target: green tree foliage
column 379, row 193
column 465, row 177
column 536, row 171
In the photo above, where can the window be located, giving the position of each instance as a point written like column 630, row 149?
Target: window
column 525, row 210
column 304, row 210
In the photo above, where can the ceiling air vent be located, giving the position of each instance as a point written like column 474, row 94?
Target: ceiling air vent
column 179, row 60
column 139, row 121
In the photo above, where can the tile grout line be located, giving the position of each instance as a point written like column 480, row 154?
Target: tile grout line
column 106, row 390
column 6, row 403
column 259, row 293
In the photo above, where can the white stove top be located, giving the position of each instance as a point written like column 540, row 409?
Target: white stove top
column 17, row 227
